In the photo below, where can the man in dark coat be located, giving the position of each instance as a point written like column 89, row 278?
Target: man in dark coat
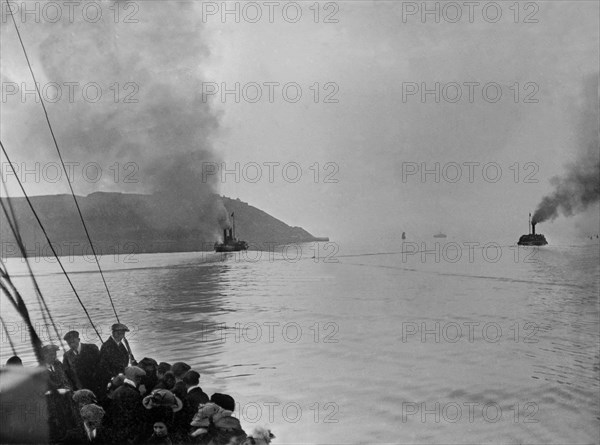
column 89, row 429
column 179, row 369
column 58, row 397
column 114, row 356
column 81, row 362
column 57, row 378
column 150, row 380
column 194, row 397
column 127, row 414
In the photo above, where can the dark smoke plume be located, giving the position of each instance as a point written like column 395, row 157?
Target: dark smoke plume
column 154, row 57
column 579, row 187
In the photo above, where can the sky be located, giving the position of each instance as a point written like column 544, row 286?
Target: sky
column 515, row 87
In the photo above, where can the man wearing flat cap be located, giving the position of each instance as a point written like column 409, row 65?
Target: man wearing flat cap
column 81, row 362
column 114, row 356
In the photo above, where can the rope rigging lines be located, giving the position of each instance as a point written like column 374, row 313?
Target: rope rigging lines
column 51, row 246
column 37, row 88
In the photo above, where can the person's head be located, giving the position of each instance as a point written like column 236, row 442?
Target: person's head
column 134, row 374
column 84, row 397
column 92, row 415
column 163, row 398
column 160, row 429
column 14, row 361
column 49, row 353
column 118, row 331
column 149, row 365
column 191, row 378
column 225, row 401
column 163, row 367
column 179, row 369
column 72, row 339
column 169, row 380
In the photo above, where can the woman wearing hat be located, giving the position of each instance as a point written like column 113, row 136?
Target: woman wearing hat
column 161, row 405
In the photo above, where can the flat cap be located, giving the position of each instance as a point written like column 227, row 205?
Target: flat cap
column 71, row 334
column 50, row 347
column 119, row 327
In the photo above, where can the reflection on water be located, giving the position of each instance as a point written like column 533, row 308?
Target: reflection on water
column 371, row 349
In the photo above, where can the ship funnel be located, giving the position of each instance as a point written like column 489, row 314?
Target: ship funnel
column 533, row 228
column 224, row 235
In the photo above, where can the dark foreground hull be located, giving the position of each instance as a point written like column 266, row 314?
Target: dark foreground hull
column 23, row 409
column 532, row 240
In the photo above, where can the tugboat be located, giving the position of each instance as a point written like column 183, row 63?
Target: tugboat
column 230, row 242
column 532, row 239
column 440, row 235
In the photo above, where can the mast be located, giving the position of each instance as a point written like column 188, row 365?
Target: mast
column 529, row 225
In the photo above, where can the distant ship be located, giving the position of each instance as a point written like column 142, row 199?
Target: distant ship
column 439, row 235
column 230, row 242
column 532, row 239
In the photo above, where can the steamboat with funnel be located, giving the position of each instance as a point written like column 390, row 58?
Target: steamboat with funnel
column 230, row 242
column 532, row 239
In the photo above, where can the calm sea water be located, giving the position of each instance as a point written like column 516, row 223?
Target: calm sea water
column 379, row 348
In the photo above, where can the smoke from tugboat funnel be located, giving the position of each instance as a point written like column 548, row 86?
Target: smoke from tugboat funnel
column 579, row 187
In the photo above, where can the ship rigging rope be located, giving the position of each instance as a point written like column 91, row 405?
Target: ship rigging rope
column 49, row 243
column 37, row 88
column 12, row 345
column 7, row 286
column 14, row 227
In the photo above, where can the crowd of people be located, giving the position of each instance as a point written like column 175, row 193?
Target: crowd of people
column 103, row 396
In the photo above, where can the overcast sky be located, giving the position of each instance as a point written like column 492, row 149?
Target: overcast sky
column 367, row 127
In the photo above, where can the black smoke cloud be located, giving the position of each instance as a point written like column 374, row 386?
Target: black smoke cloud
column 149, row 66
column 579, row 187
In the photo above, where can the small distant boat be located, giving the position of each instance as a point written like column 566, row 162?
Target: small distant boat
column 230, row 242
column 532, row 239
column 439, row 235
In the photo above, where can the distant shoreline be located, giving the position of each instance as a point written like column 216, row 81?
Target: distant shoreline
column 131, row 224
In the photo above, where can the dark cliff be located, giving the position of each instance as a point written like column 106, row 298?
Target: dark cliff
column 135, row 223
